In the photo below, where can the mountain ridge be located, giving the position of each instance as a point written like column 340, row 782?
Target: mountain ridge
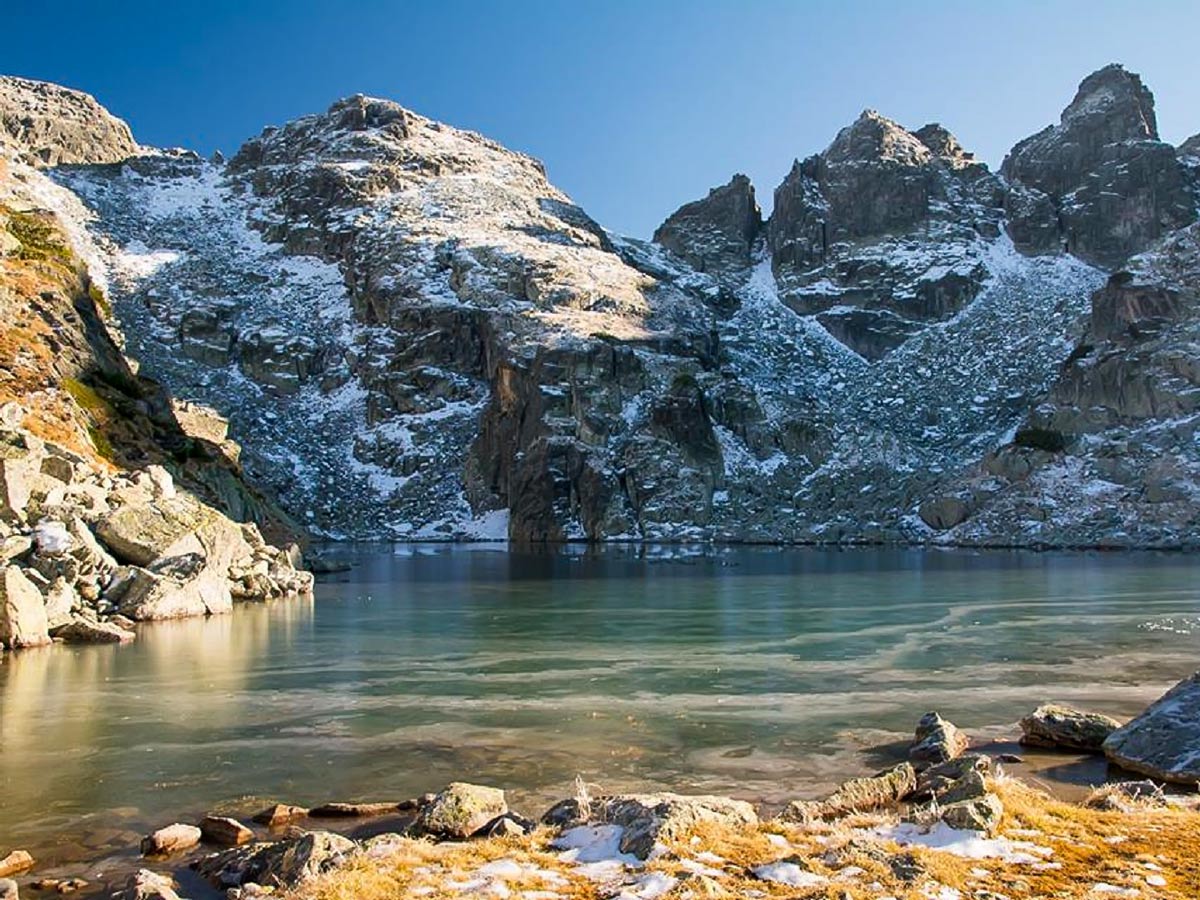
column 474, row 356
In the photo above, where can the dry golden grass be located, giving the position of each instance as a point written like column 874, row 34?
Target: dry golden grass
column 1088, row 847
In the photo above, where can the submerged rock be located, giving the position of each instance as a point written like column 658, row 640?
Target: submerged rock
column 280, row 814
column 1052, row 725
column 1164, row 741
column 172, row 839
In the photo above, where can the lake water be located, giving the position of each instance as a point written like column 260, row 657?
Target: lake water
column 764, row 673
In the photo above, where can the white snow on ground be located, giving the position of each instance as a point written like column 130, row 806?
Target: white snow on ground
column 967, row 844
column 788, row 873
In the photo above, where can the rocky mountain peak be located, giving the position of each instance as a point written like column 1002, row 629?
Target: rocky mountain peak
column 1100, row 183
column 716, row 234
column 943, row 144
column 46, row 124
column 1116, row 101
column 873, row 137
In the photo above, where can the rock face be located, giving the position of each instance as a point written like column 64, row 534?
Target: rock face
column 883, row 232
column 96, row 470
column 1066, row 728
column 49, row 125
column 716, row 234
column 1099, row 184
column 1164, row 741
column 416, row 335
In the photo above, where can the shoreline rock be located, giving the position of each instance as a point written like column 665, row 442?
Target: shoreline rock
column 1064, row 727
column 1164, row 741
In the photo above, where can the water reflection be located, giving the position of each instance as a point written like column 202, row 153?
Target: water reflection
column 763, row 672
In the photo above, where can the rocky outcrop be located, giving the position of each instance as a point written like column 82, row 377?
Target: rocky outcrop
column 1164, row 741
column 883, row 232
column 48, row 125
column 1099, row 184
column 716, row 234
column 1065, row 728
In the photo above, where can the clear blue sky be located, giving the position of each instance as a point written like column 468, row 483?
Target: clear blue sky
column 635, row 107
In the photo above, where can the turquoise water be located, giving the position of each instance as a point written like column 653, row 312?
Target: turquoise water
column 765, row 673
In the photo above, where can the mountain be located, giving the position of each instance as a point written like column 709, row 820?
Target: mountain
column 414, row 334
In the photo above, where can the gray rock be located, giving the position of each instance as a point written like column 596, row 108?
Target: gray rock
column 980, row 814
column 937, row 741
column 146, row 885
column 1164, row 741
column 172, row 839
column 85, row 631
column 9, row 889
column 1052, row 725
column 177, row 587
column 858, row 795
column 459, row 811
column 283, row 864
column 51, row 125
column 936, row 780
column 649, row 819
column 22, row 611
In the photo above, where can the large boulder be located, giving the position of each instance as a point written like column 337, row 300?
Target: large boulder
column 140, row 533
column 460, row 810
column 649, row 819
column 171, row 839
column 23, row 620
column 858, row 795
column 89, row 631
column 1164, row 741
column 936, row 741
column 283, row 864
column 1051, row 725
column 177, row 587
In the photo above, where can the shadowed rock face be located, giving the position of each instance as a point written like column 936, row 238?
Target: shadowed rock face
column 1099, row 184
column 882, row 233
column 715, row 234
column 48, row 125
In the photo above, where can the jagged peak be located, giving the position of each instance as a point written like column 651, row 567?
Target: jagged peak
column 942, row 142
column 1115, row 94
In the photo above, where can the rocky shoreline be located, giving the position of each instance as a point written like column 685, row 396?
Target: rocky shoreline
column 904, row 832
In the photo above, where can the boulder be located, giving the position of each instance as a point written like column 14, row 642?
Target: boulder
column 1164, row 741
column 146, row 885
column 177, row 587
column 224, row 830
column 22, row 611
column 980, row 814
column 937, row 740
column 649, row 819
column 943, row 513
column 171, row 839
column 460, row 810
column 280, row 814
column 970, row 787
column 936, row 780
column 1051, row 725
column 508, row 825
column 280, row 864
column 141, row 533
column 87, row 631
column 858, row 795
column 9, row 890
column 16, row 862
